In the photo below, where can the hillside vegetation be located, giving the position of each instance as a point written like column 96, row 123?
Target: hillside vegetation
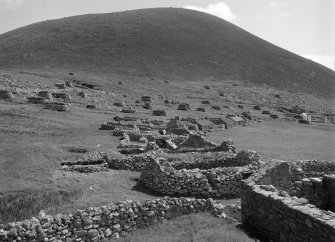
column 162, row 43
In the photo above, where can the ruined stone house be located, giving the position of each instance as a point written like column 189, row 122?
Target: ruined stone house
column 184, row 107
column 238, row 120
column 146, row 99
column 159, row 112
column 204, row 125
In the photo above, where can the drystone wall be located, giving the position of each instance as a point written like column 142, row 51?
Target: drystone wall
column 283, row 219
column 243, row 158
column 132, row 163
column 271, row 207
column 160, row 176
column 138, row 162
column 106, row 222
column 311, row 189
column 312, row 168
column 94, row 162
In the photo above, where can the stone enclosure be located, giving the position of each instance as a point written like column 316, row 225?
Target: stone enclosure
column 160, row 176
column 283, row 202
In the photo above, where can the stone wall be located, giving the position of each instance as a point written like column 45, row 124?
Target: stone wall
column 271, row 207
column 200, row 160
column 106, row 222
column 328, row 184
column 94, row 162
column 132, row 163
column 243, row 158
column 283, row 219
column 312, row 168
column 311, row 189
column 160, row 176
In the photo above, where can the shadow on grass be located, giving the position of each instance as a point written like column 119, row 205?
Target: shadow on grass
column 139, row 187
column 20, row 205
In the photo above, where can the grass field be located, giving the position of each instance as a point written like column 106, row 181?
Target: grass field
column 35, row 141
column 189, row 228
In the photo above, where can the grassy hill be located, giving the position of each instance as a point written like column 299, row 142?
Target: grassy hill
column 161, row 43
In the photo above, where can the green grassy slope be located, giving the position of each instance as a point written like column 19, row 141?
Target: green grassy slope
column 189, row 228
column 163, row 43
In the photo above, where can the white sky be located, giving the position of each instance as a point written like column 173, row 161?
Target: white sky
column 305, row 27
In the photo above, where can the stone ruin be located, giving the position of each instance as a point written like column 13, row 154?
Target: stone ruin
column 291, row 201
column 218, row 180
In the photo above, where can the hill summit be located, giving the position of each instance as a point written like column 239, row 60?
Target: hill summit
column 163, row 43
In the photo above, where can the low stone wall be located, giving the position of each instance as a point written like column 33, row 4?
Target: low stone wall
column 132, row 163
column 243, row 158
column 94, row 162
column 312, row 168
column 201, row 161
column 106, row 222
column 269, row 210
column 160, row 176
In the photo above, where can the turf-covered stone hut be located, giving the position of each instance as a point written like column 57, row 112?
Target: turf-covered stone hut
column 204, row 124
column 201, row 109
column 246, row 115
column 146, row 99
column 222, row 123
column 57, row 106
column 68, row 83
column 238, row 120
column 177, row 127
column 205, row 102
column 82, row 94
column 46, row 94
column 159, row 113
column 120, row 104
column 64, row 96
column 257, row 107
column 60, row 85
column 147, row 106
column 216, row 107
column 36, row 100
column 184, row 107
column 128, row 110
column 4, row 94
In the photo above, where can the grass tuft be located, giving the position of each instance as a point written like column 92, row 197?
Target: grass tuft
column 22, row 205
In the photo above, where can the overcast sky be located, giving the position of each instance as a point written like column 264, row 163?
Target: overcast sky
column 305, row 27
